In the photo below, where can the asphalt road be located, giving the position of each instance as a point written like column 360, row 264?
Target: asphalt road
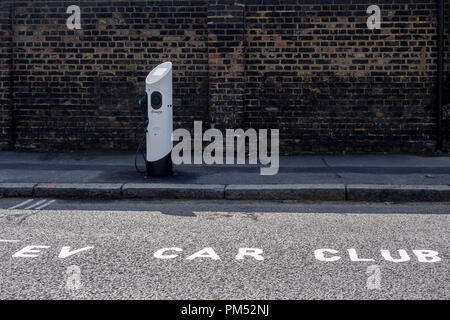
column 299, row 251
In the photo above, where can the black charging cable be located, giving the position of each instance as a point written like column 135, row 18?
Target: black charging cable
column 143, row 103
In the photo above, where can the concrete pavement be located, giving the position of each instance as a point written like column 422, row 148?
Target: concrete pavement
column 379, row 178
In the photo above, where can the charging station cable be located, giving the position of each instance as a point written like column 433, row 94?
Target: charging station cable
column 143, row 103
column 140, row 150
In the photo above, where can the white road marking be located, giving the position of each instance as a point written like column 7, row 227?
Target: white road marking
column 38, row 205
column 1, row 240
column 21, row 204
column 45, row 205
column 35, row 204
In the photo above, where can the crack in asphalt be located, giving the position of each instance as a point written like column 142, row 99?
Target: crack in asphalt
column 250, row 215
column 21, row 217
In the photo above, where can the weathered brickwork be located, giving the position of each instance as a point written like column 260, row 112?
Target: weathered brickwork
column 310, row 68
column 79, row 89
column 226, row 41
column 6, row 64
column 447, row 53
column 315, row 69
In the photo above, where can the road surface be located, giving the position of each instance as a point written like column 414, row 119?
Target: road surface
column 64, row 249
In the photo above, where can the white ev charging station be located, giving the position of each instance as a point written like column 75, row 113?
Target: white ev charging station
column 160, row 121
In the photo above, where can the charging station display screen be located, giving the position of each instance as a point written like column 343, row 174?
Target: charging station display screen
column 159, row 72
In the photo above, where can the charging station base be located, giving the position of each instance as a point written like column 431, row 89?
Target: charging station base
column 160, row 168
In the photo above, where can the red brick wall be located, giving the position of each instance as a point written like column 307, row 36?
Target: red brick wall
column 79, row 89
column 309, row 68
column 315, row 69
column 226, row 48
